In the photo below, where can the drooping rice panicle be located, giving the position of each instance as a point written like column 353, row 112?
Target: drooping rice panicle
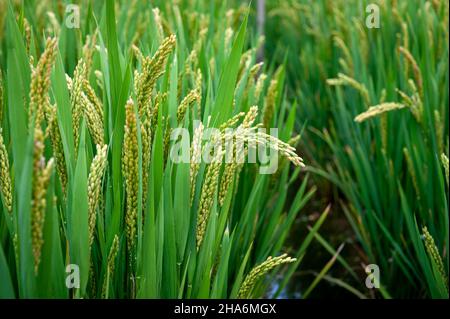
column 138, row 53
column 411, row 170
column 264, row 139
column 377, row 110
column 259, row 271
column 347, row 62
column 146, row 141
column 416, row 70
column 166, row 140
column 198, row 85
column 364, row 42
column 414, row 102
column 234, row 159
column 246, row 62
column 417, row 102
column 152, row 69
column 191, row 62
column 232, row 121
column 260, row 85
column 58, row 151
column 433, row 254
column 269, row 105
column 293, row 141
column 250, row 117
column 444, row 160
column 85, row 104
column 130, row 164
column 110, row 266
column 55, row 27
column 1, row 97
column 148, row 121
column 226, row 181
column 5, row 178
column 40, row 81
column 153, row 114
column 228, row 36
column 41, row 177
column 76, row 98
column 189, row 65
column 93, row 119
column 69, row 82
column 92, row 97
column 254, row 70
column 207, row 193
column 343, row 79
column 96, row 173
column 196, row 153
column 15, row 241
column 245, row 133
column 440, row 131
column 27, row 31
column 158, row 22
column 99, row 79
column 192, row 97
column 88, row 52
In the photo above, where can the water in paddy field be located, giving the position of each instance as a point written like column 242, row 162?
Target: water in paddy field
column 286, row 293
column 335, row 230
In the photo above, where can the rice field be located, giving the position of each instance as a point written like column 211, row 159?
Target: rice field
column 224, row 149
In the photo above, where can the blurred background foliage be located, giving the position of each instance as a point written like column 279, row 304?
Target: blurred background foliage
column 385, row 177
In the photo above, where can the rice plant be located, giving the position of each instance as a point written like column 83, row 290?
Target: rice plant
column 375, row 101
column 89, row 104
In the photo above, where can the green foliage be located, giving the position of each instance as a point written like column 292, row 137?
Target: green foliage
column 388, row 168
column 250, row 224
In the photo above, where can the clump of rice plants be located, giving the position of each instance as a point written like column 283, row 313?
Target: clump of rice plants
column 376, row 105
column 93, row 202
